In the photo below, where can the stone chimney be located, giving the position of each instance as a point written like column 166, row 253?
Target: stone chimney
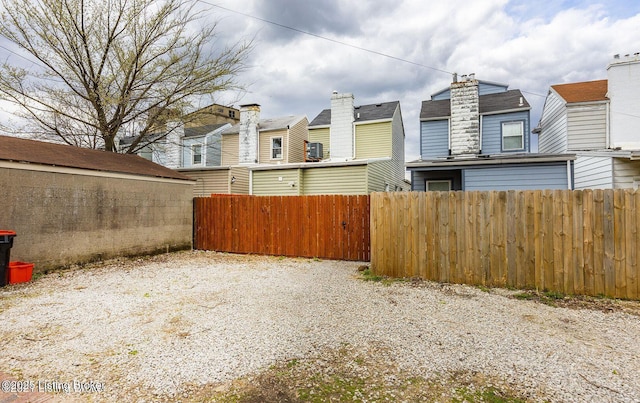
column 248, row 134
column 341, row 131
column 465, row 116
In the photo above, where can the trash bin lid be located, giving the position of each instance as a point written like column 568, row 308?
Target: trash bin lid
column 7, row 232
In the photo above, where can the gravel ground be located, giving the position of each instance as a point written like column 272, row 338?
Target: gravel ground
column 173, row 326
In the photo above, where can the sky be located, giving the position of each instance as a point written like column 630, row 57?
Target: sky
column 527, row 45
column 406, row 50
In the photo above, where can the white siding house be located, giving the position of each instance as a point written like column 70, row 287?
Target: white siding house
column 597, row 121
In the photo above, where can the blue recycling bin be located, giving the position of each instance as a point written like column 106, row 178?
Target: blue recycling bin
column 6, row 242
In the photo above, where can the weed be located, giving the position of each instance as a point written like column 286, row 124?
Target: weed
column 484, row 288
column 554, row 295
column 133, row 352
column 487, row 395
column 523, row 295
column 147, row 295
column 368, row 276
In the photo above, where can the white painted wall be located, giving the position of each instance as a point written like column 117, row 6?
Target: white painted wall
column 341, row 132
column 624, row 93
column 553, row 123
column 465, row 117
column 248, row 134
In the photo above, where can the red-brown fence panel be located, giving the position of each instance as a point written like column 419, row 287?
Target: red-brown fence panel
column 327, row 226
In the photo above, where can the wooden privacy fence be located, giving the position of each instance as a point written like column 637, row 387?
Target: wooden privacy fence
column 329, row 227
column 574, row 242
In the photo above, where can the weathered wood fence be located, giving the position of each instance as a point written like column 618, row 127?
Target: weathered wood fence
column 575, row 242
column 329, row 227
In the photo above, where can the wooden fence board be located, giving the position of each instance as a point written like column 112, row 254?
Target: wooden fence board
column 308, row 226
column 573, row 242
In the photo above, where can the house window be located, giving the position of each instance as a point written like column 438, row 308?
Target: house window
column 146, row 153
column 276, row 148
column 196, row 154
column 438, row 186
column 512, row 136
column 232, row 114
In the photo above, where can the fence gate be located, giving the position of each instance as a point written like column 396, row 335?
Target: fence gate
column 327, row 226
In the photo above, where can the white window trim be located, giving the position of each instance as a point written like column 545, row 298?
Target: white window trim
column 521, row 122
column 193, row 154
column 281, row 147
column 426, row 183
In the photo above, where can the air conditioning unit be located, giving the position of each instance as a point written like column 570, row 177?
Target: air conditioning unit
column 314, row 151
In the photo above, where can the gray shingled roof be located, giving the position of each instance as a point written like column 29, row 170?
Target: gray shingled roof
column 269, row 124
column 383, row 110
column 201, row 130
column 43, row 153
column 490, row 103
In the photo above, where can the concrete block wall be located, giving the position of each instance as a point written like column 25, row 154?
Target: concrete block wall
column 65, row 217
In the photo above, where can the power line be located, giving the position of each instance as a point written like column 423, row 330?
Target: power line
column 375, row 52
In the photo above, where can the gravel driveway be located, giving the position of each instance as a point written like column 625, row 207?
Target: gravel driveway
column 173, row 326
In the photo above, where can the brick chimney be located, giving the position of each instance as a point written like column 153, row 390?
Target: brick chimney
column 341, row 131
column 248, row 134
column 465, row 116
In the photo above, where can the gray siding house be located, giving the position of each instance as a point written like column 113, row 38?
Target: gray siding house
column 598, row 122
column 474, row 135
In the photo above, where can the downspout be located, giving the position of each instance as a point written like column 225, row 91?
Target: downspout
column 569, row 176
column 449, row 134
column 353, row 141
column 250, row 182
column 607, row 129
column 480, row 145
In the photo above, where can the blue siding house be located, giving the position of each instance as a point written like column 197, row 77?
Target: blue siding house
column 475, row 135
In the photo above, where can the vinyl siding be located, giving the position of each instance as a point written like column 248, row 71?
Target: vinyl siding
column 553, row 137
column 523, row 177
column 586, row 127
column 349, row 179
column 187, row 153
column 321, row 136
column 492, row 131
column 624, row 173
column 487, row 88
column 264, row 146
column 268, row 183
column 379, row 174
column 593, row 172
column 230, row 149
column 483, row 89
column 373, row 140
column 298, row 133
column 434, row 139
column 211, row 154
column 241, row 185
column 209, row 181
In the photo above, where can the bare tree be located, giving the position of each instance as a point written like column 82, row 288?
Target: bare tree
column 106, row 68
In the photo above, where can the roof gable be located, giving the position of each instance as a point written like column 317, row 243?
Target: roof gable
column 40, row 152
column 279, row 123
column 586, row 91
column 362, row 113
column 202, row 130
